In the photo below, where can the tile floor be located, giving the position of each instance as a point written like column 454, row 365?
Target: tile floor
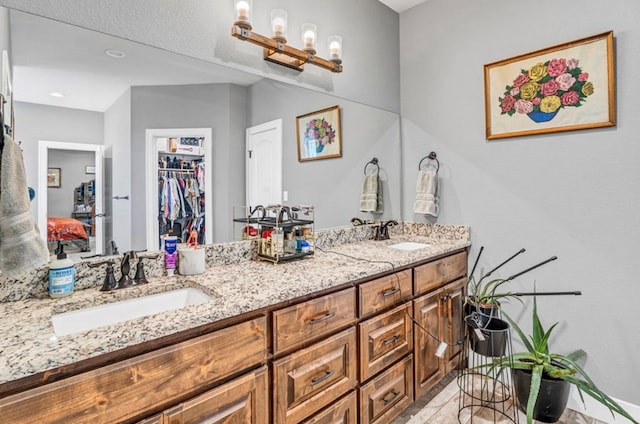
column 442, row 405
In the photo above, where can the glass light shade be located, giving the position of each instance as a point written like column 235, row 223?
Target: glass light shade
column 309, row 37
column 335, row 48
column 279, row 25
column 243, row 10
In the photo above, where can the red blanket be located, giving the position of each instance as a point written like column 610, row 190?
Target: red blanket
column 65, row 229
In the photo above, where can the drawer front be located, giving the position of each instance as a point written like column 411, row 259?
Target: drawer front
column 124, row 390
column 307, row 321
column 309, row 379
column 386, row 396
column 384, row 339
column 434, row 274
column 384, row 292
column 243, row 400
column 344, row 411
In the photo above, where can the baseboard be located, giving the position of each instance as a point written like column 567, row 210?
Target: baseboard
column 594, row 409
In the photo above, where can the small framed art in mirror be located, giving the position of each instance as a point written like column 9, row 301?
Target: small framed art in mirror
column 319, row 135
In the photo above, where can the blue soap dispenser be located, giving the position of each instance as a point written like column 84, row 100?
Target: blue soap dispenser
column 62, row 274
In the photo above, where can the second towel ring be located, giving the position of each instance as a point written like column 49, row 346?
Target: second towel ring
column 374, row 162
column 431, row 156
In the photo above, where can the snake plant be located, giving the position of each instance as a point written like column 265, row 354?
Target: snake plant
column 539, row 361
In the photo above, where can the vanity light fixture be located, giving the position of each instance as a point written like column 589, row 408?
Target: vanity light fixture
column 277, row 50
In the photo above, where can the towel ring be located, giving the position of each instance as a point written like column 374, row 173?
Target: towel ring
column 431, row 156
column 374, row 162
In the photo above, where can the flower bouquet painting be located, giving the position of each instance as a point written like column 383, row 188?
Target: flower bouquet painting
column 562, row 88
column 319, row 134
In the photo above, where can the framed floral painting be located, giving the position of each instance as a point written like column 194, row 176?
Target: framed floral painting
column 319, row 134
column 562, row 88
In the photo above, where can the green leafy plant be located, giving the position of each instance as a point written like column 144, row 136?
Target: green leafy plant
column 486, row 294
column 539, row 361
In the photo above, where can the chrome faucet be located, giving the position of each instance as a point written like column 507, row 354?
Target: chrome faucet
column 382, row 231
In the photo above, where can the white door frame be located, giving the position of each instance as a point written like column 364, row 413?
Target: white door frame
column 43, row 163
column 151, row 154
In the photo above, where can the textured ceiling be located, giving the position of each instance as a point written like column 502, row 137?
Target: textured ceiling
column 401, row 5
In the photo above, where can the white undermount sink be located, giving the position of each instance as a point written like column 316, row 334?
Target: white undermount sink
column 112, row 313
column 408, row 245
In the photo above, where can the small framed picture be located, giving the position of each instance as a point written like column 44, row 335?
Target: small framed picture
column 89, row 169
column 53, row 177
column 319, row 134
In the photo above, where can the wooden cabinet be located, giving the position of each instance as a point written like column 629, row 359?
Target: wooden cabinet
column 386, row 396
column 310, row 379
column 384, row 339
column 434, row 275
column 125, row 390
column 243, row 400
column 343, row 411
column 439, row 318
column 382, row 293
column 302, row 323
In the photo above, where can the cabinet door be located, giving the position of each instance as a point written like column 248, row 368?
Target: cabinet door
column 452, row 322
column 312, row 378
column 295, row 325
column 429, row 369
column 344, row 411
column 387, row 395
column 384, row 339
column 243, row 400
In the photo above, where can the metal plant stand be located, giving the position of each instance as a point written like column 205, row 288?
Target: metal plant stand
column 485, row 393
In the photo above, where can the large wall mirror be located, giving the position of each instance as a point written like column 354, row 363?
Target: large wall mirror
column 116, row 90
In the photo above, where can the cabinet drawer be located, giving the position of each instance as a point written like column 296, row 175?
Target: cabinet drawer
column 124, row 390
column 344, row 411
column 384, row 339
column 304, row 322
column 384, row 292
column 308, row 380
column 434, row 274
column 386, row 396
column 243, row 400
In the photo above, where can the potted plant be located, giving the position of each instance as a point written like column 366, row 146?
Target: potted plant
column 542, row 379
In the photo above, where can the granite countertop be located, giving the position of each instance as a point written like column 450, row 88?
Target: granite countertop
column 29, row 345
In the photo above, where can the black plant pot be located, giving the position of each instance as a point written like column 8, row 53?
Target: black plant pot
column 495, row 333
column 552, row 399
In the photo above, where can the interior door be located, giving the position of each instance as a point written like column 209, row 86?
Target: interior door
column 264, row 164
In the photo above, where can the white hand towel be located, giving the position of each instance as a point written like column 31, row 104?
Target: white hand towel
column 21, row 247
column 371, row 197
column 427, row 193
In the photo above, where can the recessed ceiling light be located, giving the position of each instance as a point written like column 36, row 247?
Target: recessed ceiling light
column 56, row 94
column 116, row 54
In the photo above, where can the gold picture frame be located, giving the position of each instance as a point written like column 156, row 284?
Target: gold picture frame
column 54, row 176
column 319, row 134
column 561, row 88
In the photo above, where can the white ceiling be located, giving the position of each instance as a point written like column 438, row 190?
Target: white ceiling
column 50, row 56
column 401, row 5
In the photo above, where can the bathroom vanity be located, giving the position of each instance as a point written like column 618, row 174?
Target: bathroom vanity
column 329, row 338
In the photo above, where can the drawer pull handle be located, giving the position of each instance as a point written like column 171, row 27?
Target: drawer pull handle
column 324, row 377
column 390, row 292
column 391, row 340
column 324, row 317
column 387, row 400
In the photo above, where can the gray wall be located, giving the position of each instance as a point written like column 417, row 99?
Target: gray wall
column 573, row 194
column 52, row 124
column 334, row 185
column 221, row 107
column 201, row 29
